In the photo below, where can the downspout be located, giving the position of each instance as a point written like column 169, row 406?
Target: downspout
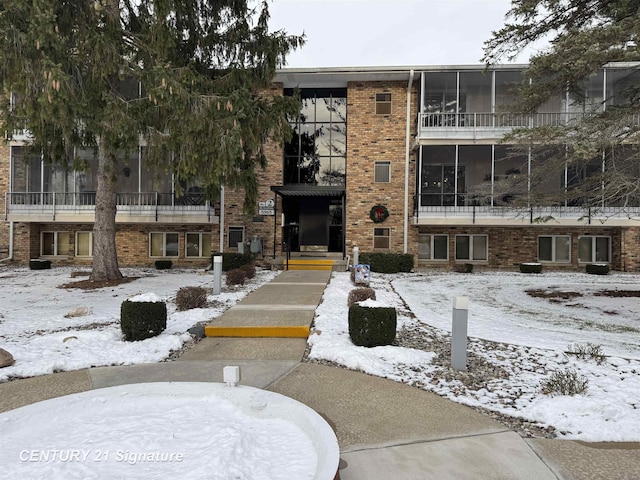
column 406, row 165
column 10, row 257
column 221, row 218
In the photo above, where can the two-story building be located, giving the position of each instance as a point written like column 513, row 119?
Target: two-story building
column 399, row 159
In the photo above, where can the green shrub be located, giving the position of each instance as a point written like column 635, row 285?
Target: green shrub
column 231, row 261
column 372, row 326
column 463, row 267
column 140, row 320
column 387, row 262
column 530, row 268
column 597, row 268
column 37, row 264
column 191, row 297
column 566, row 382
column 163, row 264
column 249, row 270
column 237, row 276
column 360, row 294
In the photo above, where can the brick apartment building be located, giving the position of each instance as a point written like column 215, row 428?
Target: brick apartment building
column 404, row 146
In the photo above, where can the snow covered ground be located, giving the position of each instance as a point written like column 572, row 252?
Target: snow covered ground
column 518, row 340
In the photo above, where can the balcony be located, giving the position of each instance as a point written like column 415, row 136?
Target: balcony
column 485, row 125
column 148, row 207
column 485, row 215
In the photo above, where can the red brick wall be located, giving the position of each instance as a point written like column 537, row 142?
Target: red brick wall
column 372, row 138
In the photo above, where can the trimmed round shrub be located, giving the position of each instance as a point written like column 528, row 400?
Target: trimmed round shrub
column 249, row 270
column 597, row 268
column 191, row 297
column 141, row 320
column 372, row 326
column 163, row 264
column 237, row 276
column 231, row 261
column 360, row 295
column 530, row 268
column 37, row 264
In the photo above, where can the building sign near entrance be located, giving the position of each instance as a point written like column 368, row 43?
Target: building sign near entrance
column 267, row 208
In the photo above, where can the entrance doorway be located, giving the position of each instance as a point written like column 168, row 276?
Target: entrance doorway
column 314, row 223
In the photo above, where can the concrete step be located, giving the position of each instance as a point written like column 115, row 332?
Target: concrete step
column 258, row 331
column 310, row 264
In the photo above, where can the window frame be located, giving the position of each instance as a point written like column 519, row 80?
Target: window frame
column 77, row 243
column 471, row 251
column 382, row 163
column 236, row 228
column 164, row 245
column 379, row 237
column 593, row 239
column 56, row 243
column 554, row 258
column 200, row 244
column 383, row 102
column 431, row 246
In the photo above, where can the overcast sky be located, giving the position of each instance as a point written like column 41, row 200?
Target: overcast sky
column 389, row 33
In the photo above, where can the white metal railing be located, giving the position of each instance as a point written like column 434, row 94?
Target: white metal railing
column 496, row 120
column 144, row 203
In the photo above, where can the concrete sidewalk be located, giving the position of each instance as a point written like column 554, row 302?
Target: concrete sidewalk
column 385, row 430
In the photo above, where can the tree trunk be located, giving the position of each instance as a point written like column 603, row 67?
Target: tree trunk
column 105, row 256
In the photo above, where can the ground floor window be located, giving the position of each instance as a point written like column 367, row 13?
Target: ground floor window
column 381, row 237
column 163, row 244
column 236, row 236
column 554, row 248
column 54, row 244
column 198, row 245
column 84, row 244
column 594, row 249
column 433, row 247
column 472, row 247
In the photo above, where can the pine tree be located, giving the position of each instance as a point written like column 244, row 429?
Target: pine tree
column 598, row 151
column 201, row 64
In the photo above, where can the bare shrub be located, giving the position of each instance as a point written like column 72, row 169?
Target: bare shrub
column 360, row 294
column 586, row 351
column 566, row 382
column 236, row 276
column 191, row 297
column 249, row 270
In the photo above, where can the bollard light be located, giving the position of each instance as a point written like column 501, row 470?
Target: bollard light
column 459, row 333
column 217, row 274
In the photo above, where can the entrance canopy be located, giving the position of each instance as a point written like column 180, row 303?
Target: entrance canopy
column 301, row 190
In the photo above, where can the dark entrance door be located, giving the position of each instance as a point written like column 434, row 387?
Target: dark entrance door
column 314, row 224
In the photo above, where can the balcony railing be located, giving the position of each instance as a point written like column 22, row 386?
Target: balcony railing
column 496, row 120
column 140, row 204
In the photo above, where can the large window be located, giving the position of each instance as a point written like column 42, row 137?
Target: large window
column 554, row 248
column 84, row 244
column 54, row 244
column 472, row 247
column 198, row 245
column 163, row 244
column 594, row 249
column 316, row 153
column 433, row 247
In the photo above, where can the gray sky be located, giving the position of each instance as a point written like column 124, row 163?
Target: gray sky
column 389, row 33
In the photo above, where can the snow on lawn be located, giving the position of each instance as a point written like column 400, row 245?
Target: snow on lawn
column 522, row 337
column 38, row 326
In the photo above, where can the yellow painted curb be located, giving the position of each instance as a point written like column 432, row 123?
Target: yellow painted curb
column 310, row 267
column 298, row 331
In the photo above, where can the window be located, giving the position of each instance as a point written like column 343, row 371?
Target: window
column 54, row 244
column 163, row 244
column 433, row 247
column 383, row 104
column 381, row 237
column 198, row 245
column 472, row 247
column 594, row 249
column 236, row 236
column 382, row 172
column 84, row 244
column 554, row 248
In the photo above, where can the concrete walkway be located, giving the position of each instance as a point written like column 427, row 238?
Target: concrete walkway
column 385, row 430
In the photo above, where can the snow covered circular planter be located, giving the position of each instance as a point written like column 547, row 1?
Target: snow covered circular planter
column 168, row 430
